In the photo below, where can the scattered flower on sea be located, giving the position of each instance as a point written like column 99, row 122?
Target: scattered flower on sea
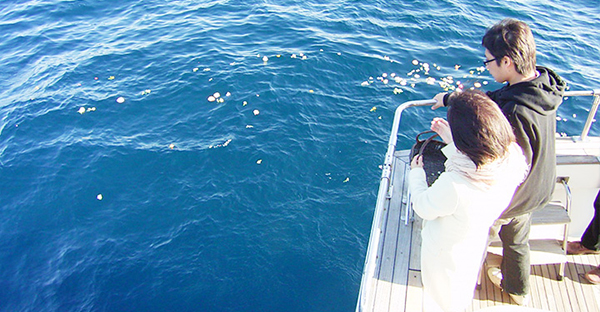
column 256, row 112
column 120, row 100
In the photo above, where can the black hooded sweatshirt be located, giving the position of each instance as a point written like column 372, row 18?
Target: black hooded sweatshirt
column 530, row 107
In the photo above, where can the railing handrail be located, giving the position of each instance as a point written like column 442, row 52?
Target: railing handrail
column 590, row 119
column 372, row 249
column 371, row 257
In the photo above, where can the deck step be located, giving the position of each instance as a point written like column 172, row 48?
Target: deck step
column 552, row 213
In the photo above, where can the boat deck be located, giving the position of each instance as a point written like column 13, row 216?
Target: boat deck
column 396, row 285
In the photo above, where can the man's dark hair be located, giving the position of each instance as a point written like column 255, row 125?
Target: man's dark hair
column 514, row 39
column 478, row 127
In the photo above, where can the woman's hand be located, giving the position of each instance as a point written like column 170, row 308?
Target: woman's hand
column 417, row 162
column 442, row 127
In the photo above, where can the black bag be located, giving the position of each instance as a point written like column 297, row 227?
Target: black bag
column 433, row 158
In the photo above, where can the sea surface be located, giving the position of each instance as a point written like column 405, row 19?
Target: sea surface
column 224, row 155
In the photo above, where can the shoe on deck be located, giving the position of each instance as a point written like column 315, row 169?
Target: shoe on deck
column 576, row 248
column 495, row 276
column 593, row 276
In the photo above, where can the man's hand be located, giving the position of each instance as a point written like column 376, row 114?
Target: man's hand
column 440, row 100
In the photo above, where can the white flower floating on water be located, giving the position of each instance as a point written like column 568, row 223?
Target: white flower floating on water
column 120, row 100
column 211, row 98
column 415, row 62
column 256, row 112
column 81, row 110
column 99, row 197
column 265, row 59
column 221, row 145
column 258, row 162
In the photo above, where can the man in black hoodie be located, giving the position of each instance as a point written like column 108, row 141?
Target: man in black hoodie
column 529, row 100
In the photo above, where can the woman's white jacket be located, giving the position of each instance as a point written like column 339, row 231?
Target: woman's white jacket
column 458, row 210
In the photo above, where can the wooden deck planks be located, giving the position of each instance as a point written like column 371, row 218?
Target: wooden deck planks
column 401, row 272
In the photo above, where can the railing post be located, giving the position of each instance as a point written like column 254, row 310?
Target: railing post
column 590, row 119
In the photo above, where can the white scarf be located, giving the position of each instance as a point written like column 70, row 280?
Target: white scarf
column 512, row 168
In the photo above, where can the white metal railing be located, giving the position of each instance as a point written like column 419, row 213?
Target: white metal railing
column 365, row 297
column 374, row 239
column 593, row 109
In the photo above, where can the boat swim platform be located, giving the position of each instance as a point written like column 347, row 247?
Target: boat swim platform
column 396, row 283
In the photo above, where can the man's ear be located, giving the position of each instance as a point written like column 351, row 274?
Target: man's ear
column 506, row 61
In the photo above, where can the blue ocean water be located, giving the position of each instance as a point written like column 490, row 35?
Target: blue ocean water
column 152, row 158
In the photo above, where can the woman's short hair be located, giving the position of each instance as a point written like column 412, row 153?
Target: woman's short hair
column 512, row 38
column 479, row 128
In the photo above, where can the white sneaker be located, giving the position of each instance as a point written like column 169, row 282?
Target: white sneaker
column 495, row 276
column 520, row 300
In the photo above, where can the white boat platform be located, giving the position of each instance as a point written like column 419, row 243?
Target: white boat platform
column 396, row 284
